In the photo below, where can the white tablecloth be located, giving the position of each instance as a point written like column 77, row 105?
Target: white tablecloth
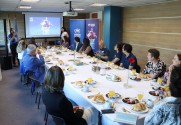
column 102, row 86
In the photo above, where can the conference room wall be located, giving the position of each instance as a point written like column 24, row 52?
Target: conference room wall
column 21, row 26
column 153, row 26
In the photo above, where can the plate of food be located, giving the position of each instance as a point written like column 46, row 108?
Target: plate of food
column 158, row 88
column 113, row 96
column 108, row 68
column 93, row 82
column 78, row 84
column 93, row 62
column 80, row 57
column 47, row 60
column 144, row 77
column 112, row 77
column 129, row 100
column 154, row 93
column 98, row 99
column 136, row 79
column 139, row 108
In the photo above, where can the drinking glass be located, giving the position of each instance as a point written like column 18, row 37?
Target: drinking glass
column 133, row 71
column 140, row 95
column 159, row 80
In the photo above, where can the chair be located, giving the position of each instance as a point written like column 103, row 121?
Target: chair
column 38, row 96
column 138, row 69
column 56, row 119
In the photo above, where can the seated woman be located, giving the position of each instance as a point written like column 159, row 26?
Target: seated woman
column 65, row 42
column 119, row 53
column 168, row 110
column 175, row 62
column 154, row 67
column 86, row 48
column 103, row 52
column 128, row 59
column 57, row 103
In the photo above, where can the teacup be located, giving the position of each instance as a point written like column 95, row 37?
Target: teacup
column 149, row 103
column 108, row 105
column 113, row 77
column 86, row 88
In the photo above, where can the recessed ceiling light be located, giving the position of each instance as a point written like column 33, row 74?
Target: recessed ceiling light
column 24, row 7
column 98, row 4
column 78, row 9
column 30, row 1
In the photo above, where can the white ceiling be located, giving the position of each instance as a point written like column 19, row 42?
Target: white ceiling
column 60, row 6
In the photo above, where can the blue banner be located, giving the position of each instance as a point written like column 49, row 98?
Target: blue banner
column 92, row 32
column 77, row 28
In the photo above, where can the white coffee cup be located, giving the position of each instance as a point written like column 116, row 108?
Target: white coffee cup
column 107, row 105
column 86, row 88
column 113, row 77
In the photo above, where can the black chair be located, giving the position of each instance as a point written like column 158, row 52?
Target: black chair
column 138, row 69
column 38, row 96
column 57, row 120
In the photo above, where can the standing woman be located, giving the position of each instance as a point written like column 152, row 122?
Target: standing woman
column 86, row 48
column 13, row 38
column 65, row 42
column 63, row 33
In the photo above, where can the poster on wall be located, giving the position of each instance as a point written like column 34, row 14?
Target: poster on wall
column 92, row 30
column 77, row 28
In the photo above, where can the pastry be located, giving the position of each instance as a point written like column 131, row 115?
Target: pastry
column 138, row 107
column 79, row 83
column 99, row 98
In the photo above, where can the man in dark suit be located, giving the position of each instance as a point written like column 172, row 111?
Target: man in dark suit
column 78, row 44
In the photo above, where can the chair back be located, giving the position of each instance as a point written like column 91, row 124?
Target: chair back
column 58, row 120
column 138, row 69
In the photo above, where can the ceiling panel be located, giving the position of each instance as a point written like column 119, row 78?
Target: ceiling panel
column 60, row 6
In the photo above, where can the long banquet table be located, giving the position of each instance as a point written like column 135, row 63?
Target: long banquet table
column 102, row 86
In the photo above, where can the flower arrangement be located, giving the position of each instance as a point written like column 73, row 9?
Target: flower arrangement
column 91, row 34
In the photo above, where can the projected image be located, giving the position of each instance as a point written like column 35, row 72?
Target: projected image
column 41, row 26
column 45, row 26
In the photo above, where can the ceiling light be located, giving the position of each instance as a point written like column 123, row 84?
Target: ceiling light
column 30, row 1
column 24, row 7
column 78, row 9
column 98, row 4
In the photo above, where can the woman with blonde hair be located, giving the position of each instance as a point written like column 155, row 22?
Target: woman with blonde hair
column 103, row 52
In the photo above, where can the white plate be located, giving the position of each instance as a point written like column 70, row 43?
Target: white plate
column 85, row 91
column 140, row 112
column 78, row 86
column 117, row 95
column 108, row 78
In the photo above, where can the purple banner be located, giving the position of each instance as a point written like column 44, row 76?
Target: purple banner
column 92, row 30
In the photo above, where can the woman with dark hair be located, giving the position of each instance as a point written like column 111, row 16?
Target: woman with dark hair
column 119, row 53
column 86, row 48
column 176, row 61
column 57, row 103
column 168, row 110
column 155, row 67
column 63, row 33
column 65, row 42
column 13, row 39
